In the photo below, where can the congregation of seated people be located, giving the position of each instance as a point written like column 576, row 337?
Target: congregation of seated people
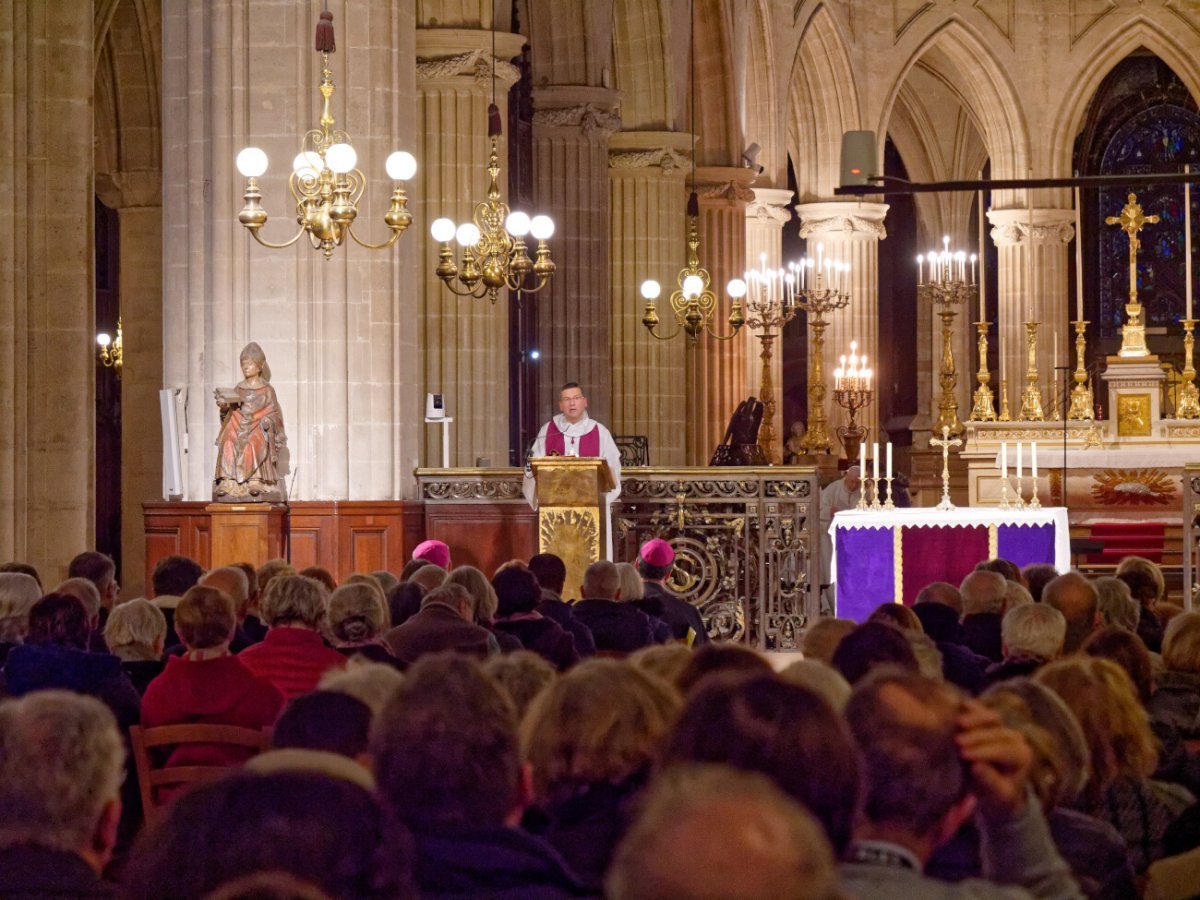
column 444, row 732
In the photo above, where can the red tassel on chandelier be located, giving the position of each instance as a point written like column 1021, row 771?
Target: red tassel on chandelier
column 325, row 32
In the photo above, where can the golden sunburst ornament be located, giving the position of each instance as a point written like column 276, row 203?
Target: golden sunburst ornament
column 1133, row 487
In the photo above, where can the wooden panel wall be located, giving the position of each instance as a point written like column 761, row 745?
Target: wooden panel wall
column 483, row 534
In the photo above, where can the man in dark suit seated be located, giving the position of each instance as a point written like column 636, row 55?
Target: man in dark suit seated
column 617, row 627
column 445, row 622
column 654, row 563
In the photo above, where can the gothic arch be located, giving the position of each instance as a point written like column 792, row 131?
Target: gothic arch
column 1109, row 49
column 823, row 102
column 643, row 68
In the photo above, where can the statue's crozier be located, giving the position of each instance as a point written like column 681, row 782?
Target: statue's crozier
column 251, row 435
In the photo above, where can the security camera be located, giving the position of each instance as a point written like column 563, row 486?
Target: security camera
column 750, row 158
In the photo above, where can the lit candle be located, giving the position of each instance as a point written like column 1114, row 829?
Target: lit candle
column 1033, row 459
column 875, row 460
column 1019, row 466
column 920, row 269
column 1079, row 257
column 1187, row 240
column 1004, row 460
column 889, row 460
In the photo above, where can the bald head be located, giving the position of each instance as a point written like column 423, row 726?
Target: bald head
column 982, row 592
column 233, row 581
column 1075, row 597
column 944, row 593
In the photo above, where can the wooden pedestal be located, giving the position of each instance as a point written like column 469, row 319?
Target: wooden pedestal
column 245, row 531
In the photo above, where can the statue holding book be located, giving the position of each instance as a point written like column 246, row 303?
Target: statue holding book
column 251, row 435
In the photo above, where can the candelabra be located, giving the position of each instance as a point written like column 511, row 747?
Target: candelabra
column 111, row 348
column 816, row 301
column 983, row 409
column 770, row 304
column 1031, row 400
column 1004, row 413
column 1189, row 395
column 852, row 391
column 325, row 182
column 946, row 288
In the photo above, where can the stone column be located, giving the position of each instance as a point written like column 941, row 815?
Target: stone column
column 716, row 370
column 1045, row 300
column 47, row 343
column 649, row 397
column 850, row 232
column 464, row 340
column 766, row 215
column 338, row 334
column 571, row 130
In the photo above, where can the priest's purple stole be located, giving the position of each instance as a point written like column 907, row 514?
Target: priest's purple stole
column 556, row 442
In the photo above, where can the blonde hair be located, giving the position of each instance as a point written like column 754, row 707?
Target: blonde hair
column 666, row 661
column 372, row 683
column 293, row 599
column 601, row 721
column 133, row 628
column 1115, row 725
column 1181, row 643
column 483, row 595
column 357, row 613
column 632, row 586
column 1139, row 565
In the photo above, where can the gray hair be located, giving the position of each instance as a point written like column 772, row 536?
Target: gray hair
column 929, row 657
column 87, row 593
column 484, row 601
column 601, row 581
column 982, row 592
column 1034, row 630
column 133, row 628
column 61, row 763
column 632, row 586
column 357, row 613
column 1116, row 604
column 1016, row 594
column 430, row 577
column 234, row 581
column 372, row 683
column 18, row 593
column 824, row 680
column 294, row 598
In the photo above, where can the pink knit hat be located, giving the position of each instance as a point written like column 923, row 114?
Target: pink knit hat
column 657, row 552
column 436, row 552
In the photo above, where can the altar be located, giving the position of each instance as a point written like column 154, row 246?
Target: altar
column 889, row 555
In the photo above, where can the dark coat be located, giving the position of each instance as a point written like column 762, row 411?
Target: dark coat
column 436, row 628
column 374, row 652
column 38, row 667
column 981, row 632
column 679, row 615
column 617, row 627
column 496, row 862
column 1150, row 630
column 543, row 636
column 554, row 607
column 31, row 872
column 1013, row 667
column 1176, row 704
column 143, row 671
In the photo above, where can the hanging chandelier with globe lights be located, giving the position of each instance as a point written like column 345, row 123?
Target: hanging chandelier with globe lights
column 325, row 181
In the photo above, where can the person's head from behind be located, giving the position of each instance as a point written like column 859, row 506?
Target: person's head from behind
column 720, row 659
column 136, row 630
column 550, row 570
column 602, row 721
column 86, row 593
column 404, row 602
column 1145, row 580
column 61, row 765
column 666, row 661
column 869, row 646
column 982, row 592
column 1075, row 597
column 252, row 586
column 59, row 620
column 761, row 723
column 522, row 675
column 294, row 601
column 766, row 845
column 270, row 570
column 1006, row 569
column 905, row 727
column 823, row 680
column 821, row 639
column 1129, row 652
column 324, row 720
column 898, row 616
column 357, row 614
column 325, row 831
column 173, row 575
column 372, row 683
column 940, row 622
column 429, row 577
column 411, row 567
column 517, row 591
column 234, row 582
column 205, row 619
column 1181, row 644
column 632, row 586
column 453, row 596
column 1037, row 576
column 18, row 593
column 655, row 560
column 445, row 748
column 100, row 570
column 483, row 596
column 941, row 592
column 601, row 581
column 321, row 574
column 1115, row 604
column 1034, row 630
column 22, row 568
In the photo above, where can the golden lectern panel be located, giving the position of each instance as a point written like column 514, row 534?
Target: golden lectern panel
column 572, row 514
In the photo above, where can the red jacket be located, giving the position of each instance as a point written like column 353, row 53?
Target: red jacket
column 292, row 659
column 219, row 691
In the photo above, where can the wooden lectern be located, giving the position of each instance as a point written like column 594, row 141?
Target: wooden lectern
column 573, row 511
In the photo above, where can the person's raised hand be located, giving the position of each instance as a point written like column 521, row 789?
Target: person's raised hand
column 998, row 758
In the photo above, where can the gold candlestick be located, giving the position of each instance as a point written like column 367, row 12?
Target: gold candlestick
column 1189, row 395
column 1034, row 503
column 888, row 504
column 1004, row 501
column 816, row 301
column 983, row 409
column 1055, row 409
column 1004, row 415
column 1081, row 395
column 1031, row 400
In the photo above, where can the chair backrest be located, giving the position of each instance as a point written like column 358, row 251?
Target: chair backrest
column 152, row 779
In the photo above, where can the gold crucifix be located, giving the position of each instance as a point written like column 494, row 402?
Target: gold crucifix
column 1131, row 220
column 946, row 442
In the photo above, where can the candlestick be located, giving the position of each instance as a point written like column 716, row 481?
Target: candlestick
column 1079, row 258
column 1081, row 395
column 1189, row 396
column 1031, row 400
column 889, row 461
column 1004, row 416
column 875, row 460
column 983, row 410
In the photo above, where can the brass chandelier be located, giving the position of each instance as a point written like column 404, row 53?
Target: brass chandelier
column 325, row 181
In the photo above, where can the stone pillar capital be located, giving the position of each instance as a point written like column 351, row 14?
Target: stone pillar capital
column 120, row 190
column 847, row 219
column 465, row 54
column 730, row 184
column 669, row 151
column 1049, row 226
column 769, row 206
column 577, row 108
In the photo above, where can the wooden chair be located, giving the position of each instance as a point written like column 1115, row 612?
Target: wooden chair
column 152, row 779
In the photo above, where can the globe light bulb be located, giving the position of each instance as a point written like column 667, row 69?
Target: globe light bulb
column 736, row 288
column 401, row 165
column 103, row 339
column 341, row 158
column 651, row 289
column 541, row 227
column 467, row 234
column 442, row 230
column 692, row 286
column 251, row 162
column 517, row 224
column 307, row 164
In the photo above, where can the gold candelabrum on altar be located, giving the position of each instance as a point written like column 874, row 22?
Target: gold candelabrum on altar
column 983, row 407
column 1082, row 408
column 325, row 181
column 852, row 391
column 947, row 287
column 1188, row 406
column 820, row 289
column 1031, row 399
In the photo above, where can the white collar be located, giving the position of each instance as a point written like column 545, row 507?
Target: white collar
column 578, row 429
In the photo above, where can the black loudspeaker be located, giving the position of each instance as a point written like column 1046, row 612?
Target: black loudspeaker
column 859, row 164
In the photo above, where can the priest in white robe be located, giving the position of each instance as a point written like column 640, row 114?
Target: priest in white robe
column 573, row 433
column 835, row 497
